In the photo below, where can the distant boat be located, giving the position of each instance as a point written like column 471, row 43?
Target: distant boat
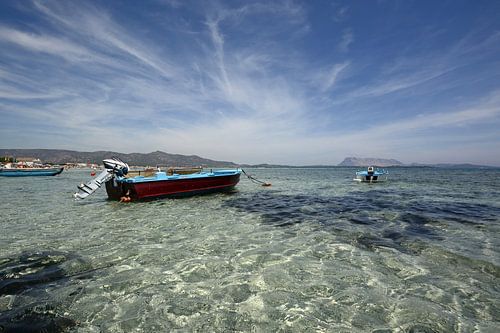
column 24, row 172
column 158, row 184
column 371, row 175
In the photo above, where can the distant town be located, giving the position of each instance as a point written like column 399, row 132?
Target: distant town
column 34, row 161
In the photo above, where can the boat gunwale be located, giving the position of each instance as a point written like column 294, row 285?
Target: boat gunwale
column 178, row 177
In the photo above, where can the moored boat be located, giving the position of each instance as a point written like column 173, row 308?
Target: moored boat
column 371, row 175
column 160, row 184
column 23, row 172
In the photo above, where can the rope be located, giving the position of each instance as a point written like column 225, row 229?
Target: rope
column 255, row 180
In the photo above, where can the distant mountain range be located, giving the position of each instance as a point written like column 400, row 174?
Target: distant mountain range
column 367, row 161
column 450, row 165
column 58, row 156
column 382, row 162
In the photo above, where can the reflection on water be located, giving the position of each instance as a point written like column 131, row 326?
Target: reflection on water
column 315, row 252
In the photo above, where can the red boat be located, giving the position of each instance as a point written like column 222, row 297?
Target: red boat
column 121, row 187
column 162, row 185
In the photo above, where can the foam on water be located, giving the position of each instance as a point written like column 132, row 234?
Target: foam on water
column 315, row 252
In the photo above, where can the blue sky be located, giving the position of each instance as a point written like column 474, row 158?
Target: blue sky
column 286, row 82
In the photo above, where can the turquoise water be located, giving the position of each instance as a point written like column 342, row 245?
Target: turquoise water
column 316, row 252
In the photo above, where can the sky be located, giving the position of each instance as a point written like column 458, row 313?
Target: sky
column 281, row 82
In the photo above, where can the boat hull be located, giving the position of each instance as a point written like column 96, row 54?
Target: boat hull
column 30, row 172
column 371, row 175
column 371, row 179
column 180, row 187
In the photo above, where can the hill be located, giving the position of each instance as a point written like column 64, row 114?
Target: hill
column 368, row 161
column 453, row 165
column 58, row 156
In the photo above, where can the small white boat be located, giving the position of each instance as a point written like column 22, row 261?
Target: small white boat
column 371, row 175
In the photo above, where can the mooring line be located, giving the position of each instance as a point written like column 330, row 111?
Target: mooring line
column 255, row 180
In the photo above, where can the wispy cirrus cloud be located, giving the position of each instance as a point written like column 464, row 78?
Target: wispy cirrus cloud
column 180, row 93
column 45, row 44
column 341, row 13
column 331, row 76
column 486, row 110
column 346, row 41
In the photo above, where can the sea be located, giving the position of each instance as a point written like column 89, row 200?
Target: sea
column 314, row 252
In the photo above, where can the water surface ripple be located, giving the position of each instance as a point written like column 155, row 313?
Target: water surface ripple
column 316, row 252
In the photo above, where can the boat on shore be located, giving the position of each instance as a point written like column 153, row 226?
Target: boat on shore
column 157, row 185
column 33, row 171
column 371, row 175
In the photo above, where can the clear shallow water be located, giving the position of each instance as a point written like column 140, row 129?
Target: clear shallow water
column 314, row 252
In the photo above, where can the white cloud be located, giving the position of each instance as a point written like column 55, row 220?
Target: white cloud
column 84, row 22
column 341, row 14
column 46, row 44
column 332, row 75
column 346, row 41
column 218, row 43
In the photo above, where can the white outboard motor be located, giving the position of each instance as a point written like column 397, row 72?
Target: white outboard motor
column 113, row 166
column 118, row 166
column 370, row 174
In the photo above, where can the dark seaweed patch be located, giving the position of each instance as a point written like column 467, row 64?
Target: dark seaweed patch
column 418, row 225
column 30, row 276
column 362, row 220
column 370, row 242
column 411, row 217
column 30, row 270
column 34, row 320
column 419, row 328
column 457, row 212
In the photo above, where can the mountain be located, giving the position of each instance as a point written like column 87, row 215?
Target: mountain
column 58, row 156
column 382, row 162
column 452, row 165
column 369, row 161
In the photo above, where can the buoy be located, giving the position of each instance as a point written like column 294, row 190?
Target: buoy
column 92, row 173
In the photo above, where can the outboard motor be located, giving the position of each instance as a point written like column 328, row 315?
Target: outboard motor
column 119, row 167
column 113, row 166
column 369, row 174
